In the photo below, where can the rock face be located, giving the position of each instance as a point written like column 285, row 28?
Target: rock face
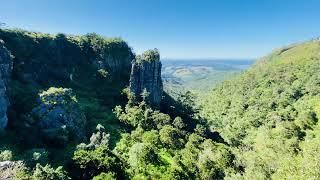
column 113, row 64
column 59, row 116
column 5, row 72
column 146, row 76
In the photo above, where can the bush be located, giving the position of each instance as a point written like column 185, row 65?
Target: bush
column 170, row 137
column 47, row 172
column 105, row 176
column 36, row 156
column 96, row 157
column 5, row 155
column 140, row 155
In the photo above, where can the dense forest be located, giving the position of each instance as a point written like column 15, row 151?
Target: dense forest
column 72, row 115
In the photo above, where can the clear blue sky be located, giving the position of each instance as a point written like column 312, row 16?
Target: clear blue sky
column 179, row 28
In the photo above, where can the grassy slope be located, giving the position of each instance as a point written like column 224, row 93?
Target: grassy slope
column 270, row 113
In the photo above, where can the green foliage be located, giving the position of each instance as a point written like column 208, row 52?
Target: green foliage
column 178, row 123
column 141, row 154
column 57, row 95
column 150, row 55
column 47, row 172
column 17, row 171
column 143, row 116
column 5, row 155
column 268, row 113
column 95, row 161
column 96, row 157
column 104, row 73
column 36, row 156
column 157, row 147
column 105, row 176
column 268, row 117
column 169, row 136
column 80, row 63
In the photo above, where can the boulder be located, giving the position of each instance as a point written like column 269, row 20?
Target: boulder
column 146, row 77
column 7, row 164
column 5, row 72
column 59, row 115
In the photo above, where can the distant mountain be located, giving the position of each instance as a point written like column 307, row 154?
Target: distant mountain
column 199, row 75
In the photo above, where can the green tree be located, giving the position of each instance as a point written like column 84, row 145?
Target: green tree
column 47, row 172
column 170, row 137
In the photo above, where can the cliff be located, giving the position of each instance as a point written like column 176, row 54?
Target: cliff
column 96, row 68
column 5, row 72
column 146, row 76
column 51, row 60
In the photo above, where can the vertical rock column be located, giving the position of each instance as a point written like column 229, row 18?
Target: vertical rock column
column 146, row 75
column 5, row 72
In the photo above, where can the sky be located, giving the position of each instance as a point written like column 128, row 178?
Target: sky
column 180, row 29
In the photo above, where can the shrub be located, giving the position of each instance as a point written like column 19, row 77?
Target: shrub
column 47, row 172
column 5, row 155
column 170, row 137
column 105, row 176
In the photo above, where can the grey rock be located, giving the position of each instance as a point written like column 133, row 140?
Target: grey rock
column 10, row 169
column 98, row 139
column 6, row 164
column 114, row 64
column 5, row 72
column 59, row 115
column 146, row 75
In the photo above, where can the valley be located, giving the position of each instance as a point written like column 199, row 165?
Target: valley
column 125, row 90
column 199, row 75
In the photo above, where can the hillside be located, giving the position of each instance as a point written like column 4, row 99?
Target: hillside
column 92, row 69
column 95, row 67
column 87, row 107
column 67, row 113
column 269, row 114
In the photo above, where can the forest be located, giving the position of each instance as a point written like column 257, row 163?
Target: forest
column 72, row 114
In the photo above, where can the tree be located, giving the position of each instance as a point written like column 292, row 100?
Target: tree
column 178, row 123
column 105, row 176
column 140, row 155
column 96, row 157
column 170, row 137
column 47, row 172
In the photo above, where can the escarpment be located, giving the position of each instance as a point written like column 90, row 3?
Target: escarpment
column 49, row 71
column 52, row 60
column 91, row 67
column 5, row 72
column 146, row 77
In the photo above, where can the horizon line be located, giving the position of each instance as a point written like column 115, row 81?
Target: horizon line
column 209, row 59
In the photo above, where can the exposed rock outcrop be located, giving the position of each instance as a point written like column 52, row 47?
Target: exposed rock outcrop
column 59, row 116
column 5, row 72
column 146, row 76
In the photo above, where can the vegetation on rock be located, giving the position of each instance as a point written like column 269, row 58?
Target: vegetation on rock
column 263, row 124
